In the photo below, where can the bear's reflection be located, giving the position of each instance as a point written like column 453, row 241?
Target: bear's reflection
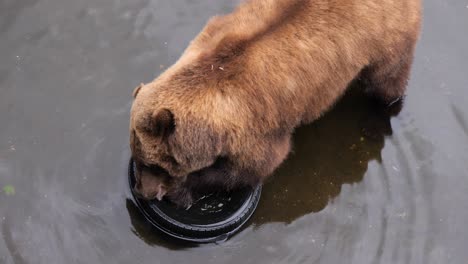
column 328, row 153
column 332, row 151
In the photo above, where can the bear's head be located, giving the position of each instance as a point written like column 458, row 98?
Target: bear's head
column 170, row 142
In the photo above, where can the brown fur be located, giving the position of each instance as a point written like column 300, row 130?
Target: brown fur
column 252, row 76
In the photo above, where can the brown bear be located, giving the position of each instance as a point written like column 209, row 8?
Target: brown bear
column 222, row 116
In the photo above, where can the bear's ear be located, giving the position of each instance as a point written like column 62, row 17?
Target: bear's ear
column 162, row 123
column 137, row 90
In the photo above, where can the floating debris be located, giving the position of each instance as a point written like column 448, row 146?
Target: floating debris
column 9, row 190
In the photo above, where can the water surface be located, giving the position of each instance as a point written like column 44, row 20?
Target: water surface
column 67, row 71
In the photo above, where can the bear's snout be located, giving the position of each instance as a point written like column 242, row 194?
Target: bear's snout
column 149, row 186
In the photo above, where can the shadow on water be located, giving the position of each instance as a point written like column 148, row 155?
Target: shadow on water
column 328, row 153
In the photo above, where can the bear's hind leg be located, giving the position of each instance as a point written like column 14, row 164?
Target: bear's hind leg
column 386, row 80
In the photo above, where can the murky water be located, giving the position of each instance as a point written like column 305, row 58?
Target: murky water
column 67, row 70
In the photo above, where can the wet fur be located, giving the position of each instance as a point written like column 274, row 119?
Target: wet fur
column 251, row 77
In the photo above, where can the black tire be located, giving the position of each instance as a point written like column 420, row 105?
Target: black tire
column 199, row 233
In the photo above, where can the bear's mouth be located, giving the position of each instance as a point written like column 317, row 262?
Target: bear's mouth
column 151, row 182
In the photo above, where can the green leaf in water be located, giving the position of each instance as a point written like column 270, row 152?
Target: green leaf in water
column 9, row 190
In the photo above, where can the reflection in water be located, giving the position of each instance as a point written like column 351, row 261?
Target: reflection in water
column 10, row 244
column 66, row 75
column 458, row 114
column 144, row 230
column 323, row 159
column 331, row 152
